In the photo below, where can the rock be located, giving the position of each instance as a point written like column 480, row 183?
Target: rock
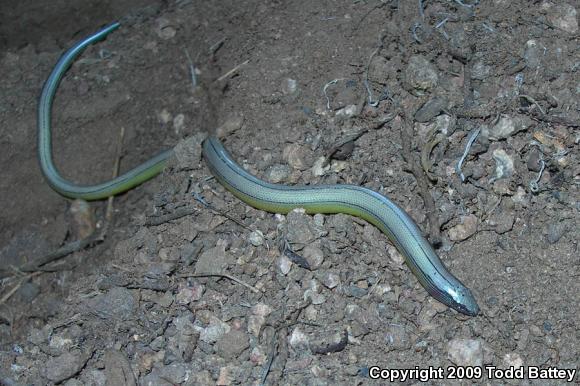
column 175, row 373
column 329, row 279
column 502, row 221
column 347, row 111
column 73, row 382
column 395, row 256
column 431, row 109
column 561, row 15
column 256, row 238
column 255, row 321
column 278, row 173
column 187, row 152
column 257, row 356
column 326, row 343
column 284, row 264
column 466, row 229
column 480, row 71
column 83, row 219
column 230, row 126
column 28, row 291
column 164, row 29
column 289, row 86
column 298, row 339
column 214, row 331
column 533, row 53
column 226, row 376
column 504, row 165
column 213, row 260
column 299, row 157
column 397, row 337
column 534, row 158
column 313, row 255
column 355, row 291
column 320, row 167
column 465, row 352
column 506, row 127
column 154, row 378
column 555, row 232
column 420, row 75
column 301, row 229
column 40, row 337
column 232, row 344
column 117, row 304
column 118, row 370
column 178, row 123
column 65, row 366
column 513, row 360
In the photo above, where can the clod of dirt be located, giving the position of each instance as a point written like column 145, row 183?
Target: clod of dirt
column 465, row 352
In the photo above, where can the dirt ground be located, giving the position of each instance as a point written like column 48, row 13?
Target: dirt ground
column 383, row 94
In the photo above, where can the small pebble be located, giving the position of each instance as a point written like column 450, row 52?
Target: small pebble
column 278, row 173
column 65, row 366
column 555, row 232
column 230, row 126
column 431, row 109
column 178, row 123
column 508, row 126
column 232, row 344
column 83, row 219
column 330, row 279
column 284, row 264
column 256, row 238
column 164, row 29
column 325, row 344
column 297, row 156
column 289, row 86
column 465, row 352
column 421, row 75
column 534, row 157
column 513, row 360
column 213, row 260
column 562, row 15
column 504, row 164
column 320, row 167
column 466, row 229
column 298, row 339
column 313, row 255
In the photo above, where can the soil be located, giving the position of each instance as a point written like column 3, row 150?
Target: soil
column 285, row 82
